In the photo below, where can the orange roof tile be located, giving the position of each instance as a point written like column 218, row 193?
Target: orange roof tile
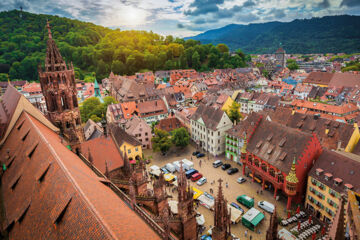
column 103, row 149
column 46, row 180
column 128, row 109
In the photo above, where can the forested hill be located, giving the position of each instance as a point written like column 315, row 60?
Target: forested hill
column 96, row 49
column 331, row 34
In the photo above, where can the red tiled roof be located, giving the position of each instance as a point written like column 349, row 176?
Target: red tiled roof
column 342, row 109
column 128, row 109
column 169, row 124
column 56, row 196
column 103, row 149
column 322, row 78
column 154, row 107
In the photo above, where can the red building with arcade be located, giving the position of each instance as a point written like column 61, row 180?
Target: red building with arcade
column 278, row 155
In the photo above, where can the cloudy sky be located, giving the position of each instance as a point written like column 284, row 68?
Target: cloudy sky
column 183, row 17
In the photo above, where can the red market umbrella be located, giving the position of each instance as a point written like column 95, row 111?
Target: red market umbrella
column 313, row 236
column 298, row 226
column 310, row 219
column 298, row 209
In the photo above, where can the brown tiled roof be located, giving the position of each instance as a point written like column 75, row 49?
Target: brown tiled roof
column 210, row 115
column 345, row 80
column 154, row 107
column 103, row 149
column 340, row 166
column 321, row 78
column 169, row 124
column 15, row 103
column 49, row 193
column 135, row 122
column 120, row 136
column 247, row 125
column 265, row 143
column 8, row 104
column 337, row 131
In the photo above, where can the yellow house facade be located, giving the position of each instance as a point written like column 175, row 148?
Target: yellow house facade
column 132, row 151
column 322, row 200
column 333, row 174
column 126, row 143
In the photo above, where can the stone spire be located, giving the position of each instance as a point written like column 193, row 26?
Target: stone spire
column 271, row 233
column 54, row 60
column 59, row 89
column 186, row 208
column 221, row 228
column 182, row 184
column 337, row 228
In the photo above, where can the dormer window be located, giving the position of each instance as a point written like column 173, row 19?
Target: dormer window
column 328, row 176
column 348, row 186
column 337, row 181
column 319, row 171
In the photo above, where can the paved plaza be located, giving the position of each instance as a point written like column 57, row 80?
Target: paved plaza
column 233, row 190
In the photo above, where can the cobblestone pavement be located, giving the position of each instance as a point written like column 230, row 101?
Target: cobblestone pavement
column 234, row 189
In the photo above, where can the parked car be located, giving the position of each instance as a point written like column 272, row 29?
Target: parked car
column 232, row 171
column 217, row 163
column 200, row 155
column 164, row 170
column 226, row 166
column 208, row 195
column 269, row 207
column 201, row 181
column 196, row 177
column 241, row 180
column 195, row 153
column 191, row 172
column 170, row 167
column 245, row 200
column 237, row 206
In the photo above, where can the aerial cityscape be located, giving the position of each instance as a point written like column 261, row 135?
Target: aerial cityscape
column 180, row 120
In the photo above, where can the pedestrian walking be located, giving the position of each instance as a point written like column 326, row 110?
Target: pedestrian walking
column 261, row 192
column 257, row 192
column 250, row 237
column 200, row 163
column 226, row 185
column 259, row 232
column 245, row 233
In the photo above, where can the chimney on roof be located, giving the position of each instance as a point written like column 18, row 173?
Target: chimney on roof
column 338, row 146
column 155, row 103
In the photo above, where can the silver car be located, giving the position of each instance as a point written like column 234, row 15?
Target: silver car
column 201, row 181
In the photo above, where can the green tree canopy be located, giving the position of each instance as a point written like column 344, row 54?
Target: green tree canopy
column 161, row 142
column 95, row 110
column 180, row 137
column 234, row 112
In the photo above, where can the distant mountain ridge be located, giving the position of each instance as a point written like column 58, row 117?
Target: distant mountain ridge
column 330, row 34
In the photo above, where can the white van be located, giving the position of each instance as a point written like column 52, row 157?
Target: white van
column 170, row 167
column 217, row 163
column 269, row 207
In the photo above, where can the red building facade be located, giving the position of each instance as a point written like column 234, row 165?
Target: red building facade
column 273, row 152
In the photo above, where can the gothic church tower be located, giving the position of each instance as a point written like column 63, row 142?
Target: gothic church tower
column 59, row 89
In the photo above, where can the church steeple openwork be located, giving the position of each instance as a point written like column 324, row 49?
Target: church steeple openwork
column 59, row 89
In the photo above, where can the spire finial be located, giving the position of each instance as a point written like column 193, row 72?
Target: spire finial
column 49, row 29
